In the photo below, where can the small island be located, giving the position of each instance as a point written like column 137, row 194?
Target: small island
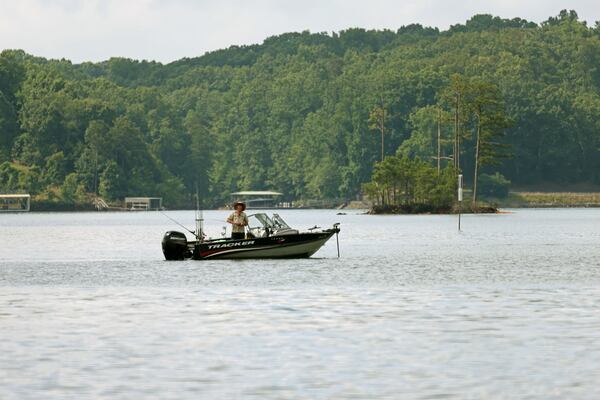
column 466, row 127
column 404, row 186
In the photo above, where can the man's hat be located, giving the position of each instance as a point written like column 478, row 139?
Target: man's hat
column 239, row 203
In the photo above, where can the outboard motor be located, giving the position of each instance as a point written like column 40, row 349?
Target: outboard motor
column 174, row 246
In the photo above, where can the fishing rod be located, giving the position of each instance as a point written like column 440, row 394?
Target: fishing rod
column 215, row 219
column 199, row 218
column 181, row 225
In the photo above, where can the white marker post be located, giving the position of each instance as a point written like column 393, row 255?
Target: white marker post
column 460, row 197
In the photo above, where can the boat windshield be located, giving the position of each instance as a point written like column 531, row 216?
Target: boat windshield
column 260, row 221
column 279, row 222
column 261, row 225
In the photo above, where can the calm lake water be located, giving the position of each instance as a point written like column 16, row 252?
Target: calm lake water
column 507, row 309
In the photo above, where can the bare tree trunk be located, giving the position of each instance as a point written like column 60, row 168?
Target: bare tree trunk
column 382, row 133
column 456, row 157
column 455, row 132
column 96, row 173
column 458, row 133
column 439, row 134
column 477, row 146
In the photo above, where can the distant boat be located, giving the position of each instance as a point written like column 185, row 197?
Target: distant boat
column 15, row 202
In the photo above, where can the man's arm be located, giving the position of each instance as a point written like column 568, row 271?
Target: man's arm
column 230, row 220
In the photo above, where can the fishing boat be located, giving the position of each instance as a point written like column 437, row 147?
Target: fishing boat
column 266, row 237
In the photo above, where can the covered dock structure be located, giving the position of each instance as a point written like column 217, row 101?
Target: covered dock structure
column 143, row 203
column 15, row 202
column 258, row 199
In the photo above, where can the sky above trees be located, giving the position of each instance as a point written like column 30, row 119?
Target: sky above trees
column 94, row 30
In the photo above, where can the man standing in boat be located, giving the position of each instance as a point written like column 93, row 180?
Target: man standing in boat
column 238, row 221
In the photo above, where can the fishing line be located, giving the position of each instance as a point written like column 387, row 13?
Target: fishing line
column 189, row 230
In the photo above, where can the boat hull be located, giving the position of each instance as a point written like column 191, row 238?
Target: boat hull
column 299, row 245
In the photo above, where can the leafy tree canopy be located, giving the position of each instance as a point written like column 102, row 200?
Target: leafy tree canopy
column 292, row 114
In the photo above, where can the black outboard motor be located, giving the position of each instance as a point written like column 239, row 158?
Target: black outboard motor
column 174, row 246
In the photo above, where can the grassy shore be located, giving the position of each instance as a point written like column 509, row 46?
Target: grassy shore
column 550, row 199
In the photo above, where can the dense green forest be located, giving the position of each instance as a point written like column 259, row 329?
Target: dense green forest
column 302, row 113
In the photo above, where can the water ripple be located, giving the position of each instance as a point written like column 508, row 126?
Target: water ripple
column 413, row 310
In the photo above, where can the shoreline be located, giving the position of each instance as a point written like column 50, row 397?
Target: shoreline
column 514, row 200
column 497, row 210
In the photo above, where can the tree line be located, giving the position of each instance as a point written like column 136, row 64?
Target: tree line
column 308, row 114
